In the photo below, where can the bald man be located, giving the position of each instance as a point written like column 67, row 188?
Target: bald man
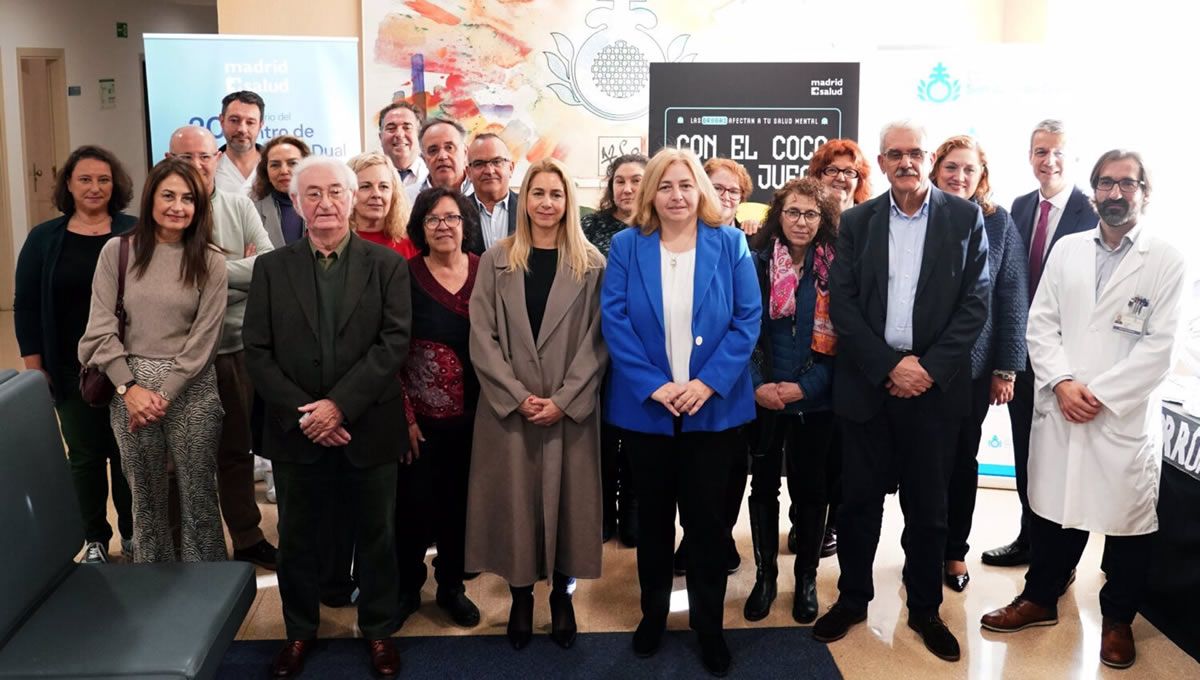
column 238, row 230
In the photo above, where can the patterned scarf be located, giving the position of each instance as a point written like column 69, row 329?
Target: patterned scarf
column 784, row 280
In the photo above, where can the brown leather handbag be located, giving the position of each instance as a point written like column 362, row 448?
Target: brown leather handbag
column 94, row 386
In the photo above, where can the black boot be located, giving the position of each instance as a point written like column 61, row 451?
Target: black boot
column 791, row 544
column 562, row 613
column 520, row 617
column 764, row 530
column 810, row 534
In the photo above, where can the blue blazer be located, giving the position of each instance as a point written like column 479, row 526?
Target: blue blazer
column 726, row 315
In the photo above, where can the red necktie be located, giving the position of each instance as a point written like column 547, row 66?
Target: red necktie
column 1039, row 244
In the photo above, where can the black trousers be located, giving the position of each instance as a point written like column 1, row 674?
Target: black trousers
column 964, row 478
column 1020, row 414
column 910, row 441
column 804, row 441
column 1055, row 551
column 691, row 469
column 415, row 500
column 302, row 490
column 447, row 450
column 616, row 475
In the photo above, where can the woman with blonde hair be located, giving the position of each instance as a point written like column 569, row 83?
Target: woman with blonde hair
column 681, row 313
column 533, row 507
column 381, row 207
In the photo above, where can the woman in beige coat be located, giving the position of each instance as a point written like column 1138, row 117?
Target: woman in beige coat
column 533, row 503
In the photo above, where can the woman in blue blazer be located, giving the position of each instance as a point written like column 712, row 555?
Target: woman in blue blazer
column 680, row 311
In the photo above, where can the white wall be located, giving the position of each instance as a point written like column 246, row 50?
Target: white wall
column 86, row 31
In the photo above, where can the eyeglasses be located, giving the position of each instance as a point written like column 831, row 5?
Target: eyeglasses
column 850, row 173
column 732, row 192
column 809, row 216
column 453, row 221
column 495, row 163
column 894, row 155
column 334, row 194
column 189, row 157
column 1128, row 185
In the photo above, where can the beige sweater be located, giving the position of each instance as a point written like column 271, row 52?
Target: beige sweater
column 163, row 319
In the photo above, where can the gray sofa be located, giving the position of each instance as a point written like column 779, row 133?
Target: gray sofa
column 59, row 619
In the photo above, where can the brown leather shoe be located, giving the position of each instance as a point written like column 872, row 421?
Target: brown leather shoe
column 289, row 662
column 1116, row 644
column 1019, row 615
column 384, row 657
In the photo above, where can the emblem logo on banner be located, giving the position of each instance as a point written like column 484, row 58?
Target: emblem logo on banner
column 939, row 89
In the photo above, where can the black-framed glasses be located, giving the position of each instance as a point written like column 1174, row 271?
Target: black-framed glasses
column 795, row 214
column 849, row 173
column 733, row 192
column 495, row 163
column 894, row 155
column 432, row 221
column 1128, row 185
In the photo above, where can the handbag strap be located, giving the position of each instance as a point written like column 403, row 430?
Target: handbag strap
column 123, row 263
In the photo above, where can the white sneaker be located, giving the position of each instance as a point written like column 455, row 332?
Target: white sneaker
column 95, row 553
column 270, row 479
column 261, row 467
column 127, row 549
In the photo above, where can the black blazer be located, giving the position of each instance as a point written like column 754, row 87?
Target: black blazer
column 512, row 222
column 283, row 351
column 34, row 304
column 1078, row 215
column 948, row 313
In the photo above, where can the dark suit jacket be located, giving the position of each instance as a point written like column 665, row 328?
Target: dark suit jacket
column 283, row 350
column 512, row 222
column 1078, row 215
column 948, row 313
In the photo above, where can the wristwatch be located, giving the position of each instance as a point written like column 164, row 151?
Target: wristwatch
column 122, row 389
column 1006, row 376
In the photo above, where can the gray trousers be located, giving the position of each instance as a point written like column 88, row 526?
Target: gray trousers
column 189, row 434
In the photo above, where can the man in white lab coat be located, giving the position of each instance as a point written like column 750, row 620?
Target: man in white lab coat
column 1101, row 333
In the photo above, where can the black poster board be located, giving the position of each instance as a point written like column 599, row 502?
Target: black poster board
column 771, row 118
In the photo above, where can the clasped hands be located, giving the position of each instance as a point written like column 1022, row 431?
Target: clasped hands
column 683, row 399
column 908, row 379
column 144, row 407
column 321, row 422
column 1076, row 401
column 775, row 396
column 540, row 411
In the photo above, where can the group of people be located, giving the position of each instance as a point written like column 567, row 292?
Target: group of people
column 614, row 368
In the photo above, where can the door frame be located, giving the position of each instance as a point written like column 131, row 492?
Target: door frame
column 7, row 261
column 58, row 114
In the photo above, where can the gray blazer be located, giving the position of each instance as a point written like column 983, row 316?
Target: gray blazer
column 272, row 222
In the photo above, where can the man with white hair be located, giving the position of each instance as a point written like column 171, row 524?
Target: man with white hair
column 238, row 230
column 327, row 329
column 909, row 295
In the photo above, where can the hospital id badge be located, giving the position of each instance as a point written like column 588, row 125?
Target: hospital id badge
column 1132, row 320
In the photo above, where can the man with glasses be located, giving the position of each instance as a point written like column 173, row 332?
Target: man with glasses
column 327, row 329
column 909, row 294
column 490, row 169
column 239, row 232
column 1043, row 216
column 398, row 126
column 1101, row 346
column 444, row 148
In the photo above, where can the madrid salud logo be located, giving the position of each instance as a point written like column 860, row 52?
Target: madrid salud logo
column 939, row 89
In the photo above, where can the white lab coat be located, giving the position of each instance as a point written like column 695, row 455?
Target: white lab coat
column 1102, row 476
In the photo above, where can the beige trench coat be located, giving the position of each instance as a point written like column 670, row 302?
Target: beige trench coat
column 533, row 502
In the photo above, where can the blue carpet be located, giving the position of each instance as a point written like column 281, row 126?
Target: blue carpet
column 757, row 653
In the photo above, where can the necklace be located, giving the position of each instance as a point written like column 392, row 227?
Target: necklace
column 102, row 226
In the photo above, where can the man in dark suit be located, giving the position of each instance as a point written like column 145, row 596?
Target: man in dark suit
column 908, row 296
column 1042, row 217
column 490, row 167
column 327, row 328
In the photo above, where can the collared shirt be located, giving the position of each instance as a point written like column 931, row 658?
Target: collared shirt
column 415, row 174
column 327, row 261
column 1058, row 204
column 906, row 246
column 229, row 179
column 466, row 188
column 1108, row 259
column 494, row 225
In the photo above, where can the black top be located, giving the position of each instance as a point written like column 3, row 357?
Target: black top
column 543, row 263
column 35, row 315
column 439, row 378
column 72, row 290
column 290, row 222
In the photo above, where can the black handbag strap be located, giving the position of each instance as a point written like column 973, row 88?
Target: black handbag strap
column 123, row 263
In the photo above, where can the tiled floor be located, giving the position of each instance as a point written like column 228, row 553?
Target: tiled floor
column 883, row 648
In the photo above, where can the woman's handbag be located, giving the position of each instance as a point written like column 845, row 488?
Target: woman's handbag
column 94, row 386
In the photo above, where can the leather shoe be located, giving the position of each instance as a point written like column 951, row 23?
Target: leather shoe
column 837, row 622
column 1014, row 554
column 957, row 582
column 384, row 657
column 1116, row 644
column 262, row 553
column 733, row 559
column 461, row 610
column 792, row 546
column 409, row 603
column 289, row 662
column 647, row 638
column 937, row 637
column 715, row 654
column 1019, row 615
column 829, row 542
column 1070, row 580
